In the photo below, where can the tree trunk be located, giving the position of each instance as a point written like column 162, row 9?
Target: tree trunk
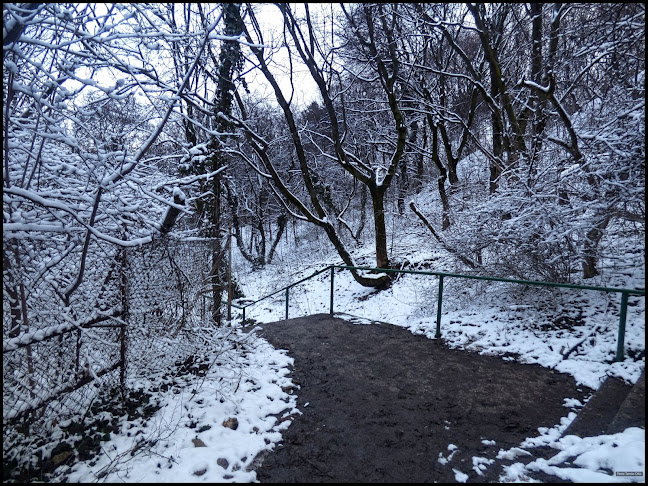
column 282, row 221
column 443, row 174
column 594, row 235
column 380, row 282
column 363, row 213
column 403, row 182
column 217, row 282
column 498, row 146
column 418, row 181
column 378, row 200
column 171, row 214
column 230, row 62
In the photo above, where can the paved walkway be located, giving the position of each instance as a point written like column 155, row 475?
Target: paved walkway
column 381, row 404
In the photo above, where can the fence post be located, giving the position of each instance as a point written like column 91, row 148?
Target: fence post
column 243, row 316
column 622, row 323
column 439, row 300
column 287, row 294
column 332, row 280
column 123, row 336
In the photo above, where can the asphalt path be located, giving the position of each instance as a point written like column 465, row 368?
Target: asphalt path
column 380, row 404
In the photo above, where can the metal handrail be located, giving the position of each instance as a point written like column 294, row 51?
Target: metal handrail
column 287, row 289
column 497, row 279
column 625, row 293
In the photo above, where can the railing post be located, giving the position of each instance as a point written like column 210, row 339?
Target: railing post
column 287, row 294
column 332, row 280
column 622, row 323
column 439, row 301
column 243, row 316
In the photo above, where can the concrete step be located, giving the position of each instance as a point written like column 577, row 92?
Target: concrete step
column 632, row 412
column 600, row 410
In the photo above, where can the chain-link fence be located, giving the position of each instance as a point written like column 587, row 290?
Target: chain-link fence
column 167, row 299
column 56, row 341
column 135, row 312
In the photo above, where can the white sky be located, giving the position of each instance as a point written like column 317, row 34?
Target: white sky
column 304, row 88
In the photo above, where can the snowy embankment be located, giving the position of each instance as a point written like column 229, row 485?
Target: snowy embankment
column 208, row 428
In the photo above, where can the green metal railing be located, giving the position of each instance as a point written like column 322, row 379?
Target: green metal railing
column 625, row 293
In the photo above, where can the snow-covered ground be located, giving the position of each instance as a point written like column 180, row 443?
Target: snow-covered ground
column 209, row 428
column 571, row 331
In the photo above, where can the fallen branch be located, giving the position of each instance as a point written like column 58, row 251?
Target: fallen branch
column 445, row 245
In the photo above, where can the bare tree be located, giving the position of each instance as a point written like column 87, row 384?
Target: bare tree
column 537, row 58
column 78, row 184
